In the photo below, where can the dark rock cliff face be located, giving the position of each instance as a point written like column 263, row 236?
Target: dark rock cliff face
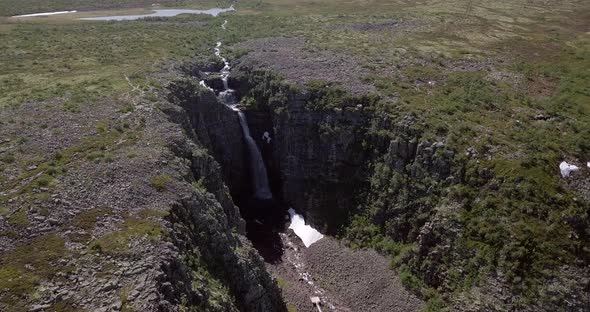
column 323, row 154
column 216, row 126
column 315, row 156
column 321, row 160
column 206, row 225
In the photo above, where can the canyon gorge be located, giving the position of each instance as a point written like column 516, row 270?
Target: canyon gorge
column 294, row 156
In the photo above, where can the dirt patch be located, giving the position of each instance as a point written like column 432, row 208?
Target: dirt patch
column 290, row 58
column 541, row 86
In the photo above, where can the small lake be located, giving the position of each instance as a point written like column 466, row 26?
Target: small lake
column 160, row 13
column 45, row 14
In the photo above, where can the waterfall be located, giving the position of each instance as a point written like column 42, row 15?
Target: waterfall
column 259, row 177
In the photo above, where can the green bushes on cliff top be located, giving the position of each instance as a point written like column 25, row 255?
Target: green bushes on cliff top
column 22, row 268
column 117, row 242
column 518, row 217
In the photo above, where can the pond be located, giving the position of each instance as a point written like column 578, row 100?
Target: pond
column 45, row 14
column 160, row 13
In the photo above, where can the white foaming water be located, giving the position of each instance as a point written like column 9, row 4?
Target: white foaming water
column 202, row 83
column 266, row 137
column 227, row 95
column 45, row 14
column 307, row 234
column 259, row 177
column 226, row 68
column 160, row 13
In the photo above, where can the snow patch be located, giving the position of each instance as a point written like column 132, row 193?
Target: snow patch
column 306, row 233
column 566, row 169
column 266, row 137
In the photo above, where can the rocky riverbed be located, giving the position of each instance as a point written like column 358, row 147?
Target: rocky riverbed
column 344, row 279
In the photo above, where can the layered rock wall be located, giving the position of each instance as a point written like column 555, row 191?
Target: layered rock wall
column 206, row 225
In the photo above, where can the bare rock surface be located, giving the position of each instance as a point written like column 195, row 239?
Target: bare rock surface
column 344, row 279
column 363, row 278
column 298, row 64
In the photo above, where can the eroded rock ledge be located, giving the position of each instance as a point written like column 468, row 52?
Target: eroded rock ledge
column 127, row 210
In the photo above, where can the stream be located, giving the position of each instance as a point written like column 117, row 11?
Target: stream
column 260, row 232
column 259, row 175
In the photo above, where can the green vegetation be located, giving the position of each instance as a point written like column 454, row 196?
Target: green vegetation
column 117, row 242
column 219, row 296
column 22, row 268
column 82, row 63
column 160, row 182
column 283, row 284
column 87, row 219
column 19, row 218
column 265, row 89
column 518, row 216
column 291, row 307
column 326, row 95
column 153, row 213
column 200, row 186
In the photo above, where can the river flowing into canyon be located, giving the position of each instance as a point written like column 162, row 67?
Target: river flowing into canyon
column 266, row 216
column 259, row 174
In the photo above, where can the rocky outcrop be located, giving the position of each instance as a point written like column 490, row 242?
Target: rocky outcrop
column 424, row 158
column 436, row 244
column 216, row 126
